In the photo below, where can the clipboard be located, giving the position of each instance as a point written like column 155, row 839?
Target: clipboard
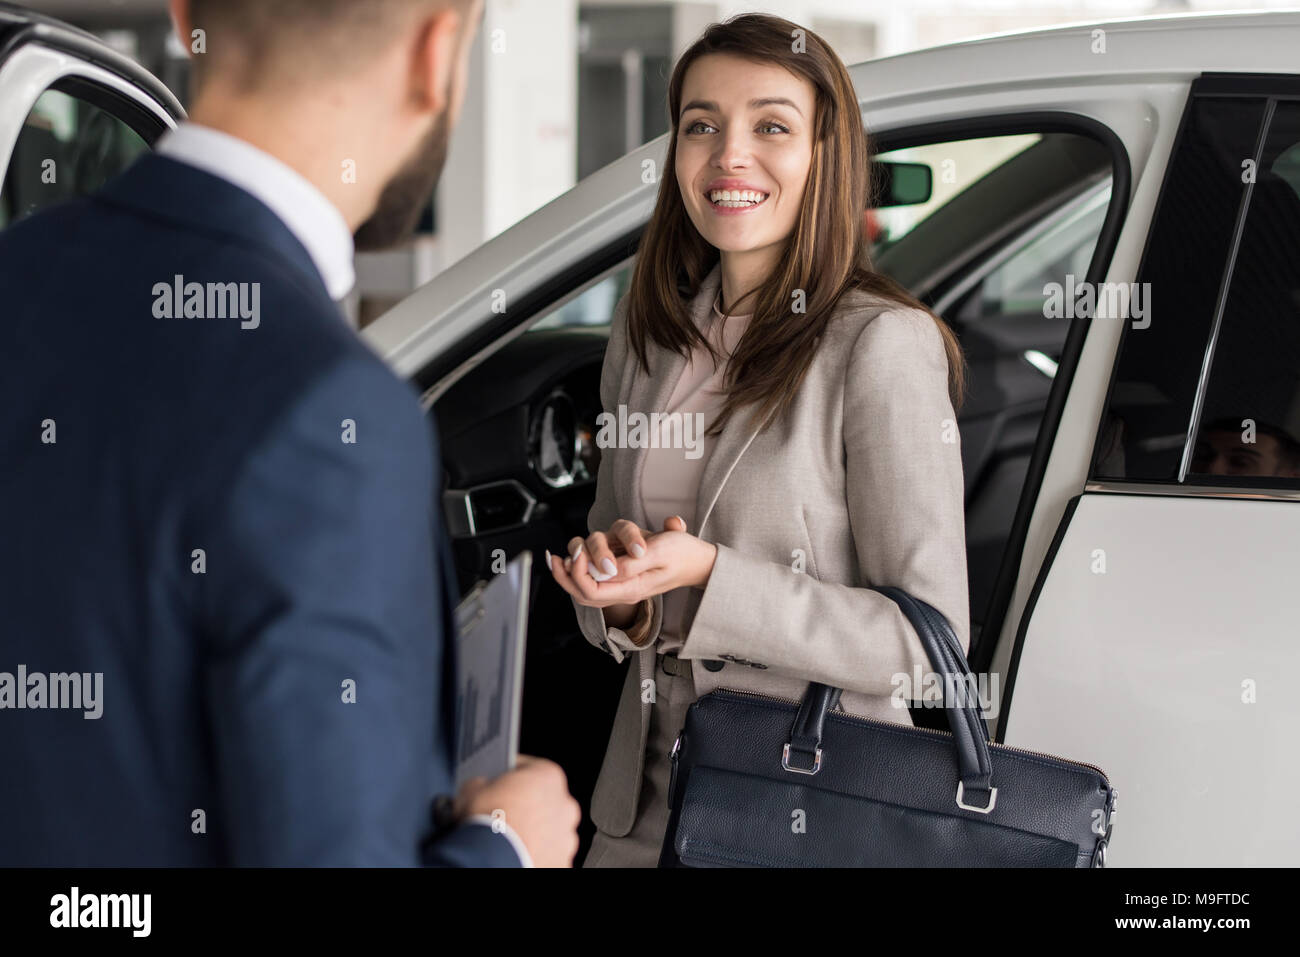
column 491, row 631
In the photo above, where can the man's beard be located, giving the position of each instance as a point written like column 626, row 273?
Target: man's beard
column 407, row 194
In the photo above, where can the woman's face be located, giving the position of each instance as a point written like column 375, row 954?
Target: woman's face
column 744, row 150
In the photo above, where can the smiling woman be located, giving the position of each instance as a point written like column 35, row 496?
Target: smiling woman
column 746, row 559
column 767, row 175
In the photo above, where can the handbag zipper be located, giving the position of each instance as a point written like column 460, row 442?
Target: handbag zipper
column 876, row 721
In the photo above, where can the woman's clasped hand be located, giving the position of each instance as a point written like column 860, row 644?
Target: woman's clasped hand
column 629, row 564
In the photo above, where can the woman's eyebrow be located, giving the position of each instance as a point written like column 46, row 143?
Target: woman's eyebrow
column 757, row 104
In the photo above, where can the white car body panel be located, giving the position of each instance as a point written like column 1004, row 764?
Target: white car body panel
column 1141, row 669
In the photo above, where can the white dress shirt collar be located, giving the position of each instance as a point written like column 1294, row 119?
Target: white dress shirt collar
column 309, row 215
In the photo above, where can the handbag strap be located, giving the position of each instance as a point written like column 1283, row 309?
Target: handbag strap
column 965, row 716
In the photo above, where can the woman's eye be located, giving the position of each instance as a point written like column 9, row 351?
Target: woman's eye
column 762, row 127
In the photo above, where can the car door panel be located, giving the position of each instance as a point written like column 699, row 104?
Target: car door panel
column 1161, row 616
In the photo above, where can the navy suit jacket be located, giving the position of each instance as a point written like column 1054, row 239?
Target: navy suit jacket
column 181, row 511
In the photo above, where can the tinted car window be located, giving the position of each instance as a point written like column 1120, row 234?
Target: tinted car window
column 1149, row 408
column 1249, row 422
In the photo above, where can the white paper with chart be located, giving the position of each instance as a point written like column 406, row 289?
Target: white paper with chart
column 491, row 625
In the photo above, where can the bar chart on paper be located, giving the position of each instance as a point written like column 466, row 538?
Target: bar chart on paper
column 492, row 623
column 478, row 710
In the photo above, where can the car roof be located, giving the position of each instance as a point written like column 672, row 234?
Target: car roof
column 1164, row 45
column 1205, row 20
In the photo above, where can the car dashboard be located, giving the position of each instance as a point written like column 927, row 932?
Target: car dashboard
column 518, row 445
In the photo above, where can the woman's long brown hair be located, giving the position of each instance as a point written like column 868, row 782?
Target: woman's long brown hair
column 825, row 255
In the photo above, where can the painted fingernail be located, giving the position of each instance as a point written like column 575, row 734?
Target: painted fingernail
column 609, row 566
column 548, row 558
column 637, row 550
column 568, row 563
column 598, row 576
column 577, row 551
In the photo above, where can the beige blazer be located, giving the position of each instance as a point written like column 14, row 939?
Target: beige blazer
column 861, row 484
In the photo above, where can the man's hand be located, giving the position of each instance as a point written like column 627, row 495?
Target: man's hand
column 534, row 800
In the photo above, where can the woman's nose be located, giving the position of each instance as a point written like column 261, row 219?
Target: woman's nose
column 733, row 150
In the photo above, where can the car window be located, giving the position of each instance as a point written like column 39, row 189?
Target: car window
column 67, row 147
column 1249, row 422
column 1004, row 191
column 1061, row 249
column 954, row 166
column 1287, row 167
column 592, row 307
column 1207, row 387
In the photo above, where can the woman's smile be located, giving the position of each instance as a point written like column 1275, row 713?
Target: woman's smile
column 729, row 202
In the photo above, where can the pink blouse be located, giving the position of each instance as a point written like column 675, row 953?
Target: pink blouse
column 670, row 478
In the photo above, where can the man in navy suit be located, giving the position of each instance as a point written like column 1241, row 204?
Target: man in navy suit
column 225, row 591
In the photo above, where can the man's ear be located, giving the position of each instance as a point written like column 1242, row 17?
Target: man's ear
column 434, row 61
column 180, row 10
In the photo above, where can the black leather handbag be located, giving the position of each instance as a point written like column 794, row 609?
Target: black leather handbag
column 765, row 782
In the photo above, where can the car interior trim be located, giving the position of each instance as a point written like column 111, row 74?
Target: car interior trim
column 459, row 506
column 1111, row 487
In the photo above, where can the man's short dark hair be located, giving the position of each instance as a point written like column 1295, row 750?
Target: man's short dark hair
column 306, row 39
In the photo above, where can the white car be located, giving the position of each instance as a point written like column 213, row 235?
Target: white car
column 1112, row 227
